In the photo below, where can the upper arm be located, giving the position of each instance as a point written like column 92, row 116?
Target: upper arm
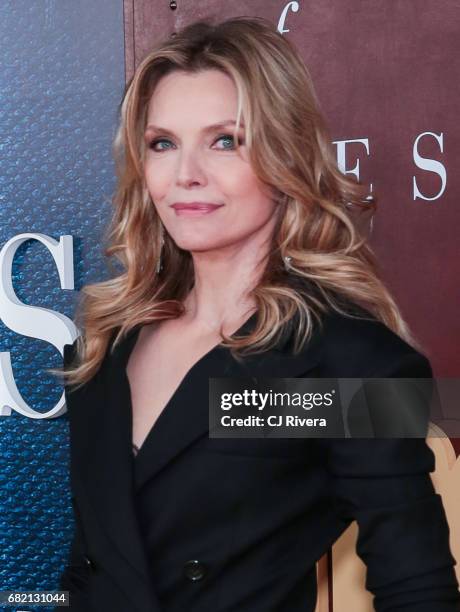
column 385, row 485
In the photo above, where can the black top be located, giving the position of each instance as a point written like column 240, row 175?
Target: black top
column 210, row 524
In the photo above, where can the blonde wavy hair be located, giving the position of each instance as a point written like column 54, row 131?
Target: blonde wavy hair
column 289, row 148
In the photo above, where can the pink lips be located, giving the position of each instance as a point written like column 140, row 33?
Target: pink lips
column 194, row 208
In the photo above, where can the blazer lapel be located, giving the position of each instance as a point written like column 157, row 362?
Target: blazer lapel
column 186, row 416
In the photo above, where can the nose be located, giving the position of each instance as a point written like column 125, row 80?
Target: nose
column 190, row 169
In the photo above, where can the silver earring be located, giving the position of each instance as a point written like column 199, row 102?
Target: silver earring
column 159, row 265
column 287, row 261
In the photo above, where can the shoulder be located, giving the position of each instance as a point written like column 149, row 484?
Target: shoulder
column 362, row 346
column 69, row 353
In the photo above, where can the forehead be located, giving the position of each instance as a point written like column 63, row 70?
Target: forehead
column 204, row 97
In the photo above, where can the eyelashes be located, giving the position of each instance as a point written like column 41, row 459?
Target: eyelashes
column 154, row 142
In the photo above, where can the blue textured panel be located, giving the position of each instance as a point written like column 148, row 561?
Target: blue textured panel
column 61, row 79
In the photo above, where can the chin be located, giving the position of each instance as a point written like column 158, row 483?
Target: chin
column 197, row 245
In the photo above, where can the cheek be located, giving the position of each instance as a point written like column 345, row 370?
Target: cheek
column 156, row 181
column 240, row 182
column 253, row 197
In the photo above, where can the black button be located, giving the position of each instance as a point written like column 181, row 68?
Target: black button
column 194, row 570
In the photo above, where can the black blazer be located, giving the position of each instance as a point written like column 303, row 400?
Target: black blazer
column 251, row 517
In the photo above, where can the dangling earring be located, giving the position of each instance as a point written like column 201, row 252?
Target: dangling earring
column 159, row 265
column 287, row 260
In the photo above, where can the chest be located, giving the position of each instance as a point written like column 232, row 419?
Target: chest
column 157, row 366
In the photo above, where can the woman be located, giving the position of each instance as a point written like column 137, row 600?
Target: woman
column 232, row 221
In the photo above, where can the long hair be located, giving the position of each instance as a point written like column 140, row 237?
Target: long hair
column 289, row 149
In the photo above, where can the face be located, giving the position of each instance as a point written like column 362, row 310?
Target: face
column 187, row 160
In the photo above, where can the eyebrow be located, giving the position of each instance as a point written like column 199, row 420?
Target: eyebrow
column 208, row 128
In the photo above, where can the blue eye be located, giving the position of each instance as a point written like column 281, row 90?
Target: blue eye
column 155, row 142
column 228, row 137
